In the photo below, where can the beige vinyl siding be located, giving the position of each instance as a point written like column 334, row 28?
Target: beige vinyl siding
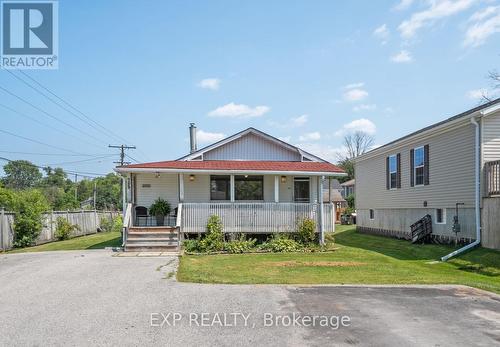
column 165, row 186
column 491, row 137
column 252, row 147
column 197, row 190
column 451, row 172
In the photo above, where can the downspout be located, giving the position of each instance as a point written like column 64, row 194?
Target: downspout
column 477, row 202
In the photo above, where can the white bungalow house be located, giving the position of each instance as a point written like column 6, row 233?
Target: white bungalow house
column 255, row 182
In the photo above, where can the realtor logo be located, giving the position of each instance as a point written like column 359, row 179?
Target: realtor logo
column 29, row 34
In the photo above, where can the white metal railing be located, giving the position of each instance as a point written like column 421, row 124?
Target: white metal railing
column 127, row 222
column 255, row 217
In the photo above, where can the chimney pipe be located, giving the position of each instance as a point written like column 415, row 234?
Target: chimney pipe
column 192, row 137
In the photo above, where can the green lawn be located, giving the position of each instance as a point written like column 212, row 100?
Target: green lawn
column 95, row 241
column 359, row 259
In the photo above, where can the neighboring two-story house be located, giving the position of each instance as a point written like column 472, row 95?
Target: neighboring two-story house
column 453, row 164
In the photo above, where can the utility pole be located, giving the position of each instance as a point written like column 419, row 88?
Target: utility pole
column 76, row 187
column 122, row 153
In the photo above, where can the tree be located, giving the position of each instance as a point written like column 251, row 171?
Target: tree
column 494, row 78
column 355, row 144
column 21, row 174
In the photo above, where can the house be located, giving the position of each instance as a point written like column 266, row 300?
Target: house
column 255, row 182
column 449, row 171
column 332, row 193
column 348, row 188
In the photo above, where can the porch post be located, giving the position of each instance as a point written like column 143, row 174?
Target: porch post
column 124, row 194
column 231, row 187
column 276, row 189
column 320, row 199
column 181, row 187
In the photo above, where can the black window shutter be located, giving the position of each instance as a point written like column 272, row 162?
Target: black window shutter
column 412, row 167
column 426, row 165
column 398, row 174
column 387, row 175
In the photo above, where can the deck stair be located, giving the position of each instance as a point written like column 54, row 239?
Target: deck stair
column 152, row 239
column 421, row 230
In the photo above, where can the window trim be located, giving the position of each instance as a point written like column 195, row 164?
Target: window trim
column 371, row 214
column 443, row 214
column 395, row 156
column 417, row 167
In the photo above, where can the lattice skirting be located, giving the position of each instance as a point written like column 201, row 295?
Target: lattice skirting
column 438, row 239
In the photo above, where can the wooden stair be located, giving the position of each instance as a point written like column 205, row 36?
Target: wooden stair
column 152, row 239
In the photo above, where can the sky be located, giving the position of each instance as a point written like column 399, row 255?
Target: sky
column 308, row 72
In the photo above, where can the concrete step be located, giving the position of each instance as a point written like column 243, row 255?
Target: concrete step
column 151, row 240
column 147, row 235
column 153, row 229
column 150, row 247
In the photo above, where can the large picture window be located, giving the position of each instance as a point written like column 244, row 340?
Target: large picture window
column 301, row 189
column 249, row 187
column 219, row 188
column 418, row 165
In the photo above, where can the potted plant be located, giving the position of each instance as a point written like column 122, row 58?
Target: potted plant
column 160, row 208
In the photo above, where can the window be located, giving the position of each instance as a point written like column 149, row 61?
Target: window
column 301, row 189
column 393, row 172
column 219, row 188
column 372, row 214
column 249, row 187
column 440, row 216
column 418, row 166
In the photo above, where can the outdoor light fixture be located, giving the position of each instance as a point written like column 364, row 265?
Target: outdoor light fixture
column 283, row 179
column 191, row 178
column 246, row 176
column 157, row 175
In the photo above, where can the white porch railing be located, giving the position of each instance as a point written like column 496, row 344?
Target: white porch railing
column 127, row 222
column 255, row 217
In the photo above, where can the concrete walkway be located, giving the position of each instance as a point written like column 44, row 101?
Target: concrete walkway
column 95, row 298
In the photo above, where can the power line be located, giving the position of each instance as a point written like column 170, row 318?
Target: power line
column 49, row 114
column 122, row 153
column 128, row 156
column 55, row 154
column 81, row 161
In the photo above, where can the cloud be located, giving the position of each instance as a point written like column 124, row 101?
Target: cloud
column 484, row 23
column 326, row 152
column 208, row 137
column 382, row 33
column 482, row 94
column 209, row 83
column 299, row 121
column 354, row 85
column 233, row 110
column 364, row 107
column 402, row 57
column 403, row 5
column 364, row 125
column 314, row 136
column 355, row 94
column 438, row 9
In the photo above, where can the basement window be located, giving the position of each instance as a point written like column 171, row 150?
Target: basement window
column 440, row 216
column 372, row 214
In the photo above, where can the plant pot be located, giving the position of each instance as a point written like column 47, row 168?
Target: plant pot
column 160, row 220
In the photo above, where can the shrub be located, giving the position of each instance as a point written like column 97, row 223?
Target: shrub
column 351, row 200
column 281, row 243
column 106, row 224
column 306, row 231
column 160, row 207
column 191, row 245
column 214, row 237
column 239, row 246
column 29, row 206
column 117, row 224
column 64, row 229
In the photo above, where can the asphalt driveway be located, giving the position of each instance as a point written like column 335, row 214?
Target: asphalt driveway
column 94, row 298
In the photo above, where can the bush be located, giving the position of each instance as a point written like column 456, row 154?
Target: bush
column 64, row 229
column 29, row 206
column 239, row 246
column 160, row 207
column 115, row 224
column 351, row 200
column 306, row 231
column 214, row 236
column 191, row 245
column 281, row 243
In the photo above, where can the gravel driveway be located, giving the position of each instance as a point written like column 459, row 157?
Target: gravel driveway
column 95, row 298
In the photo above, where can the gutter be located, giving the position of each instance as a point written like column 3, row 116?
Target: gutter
column 477, row 201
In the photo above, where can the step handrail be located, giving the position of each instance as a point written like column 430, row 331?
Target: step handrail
column 127, row 222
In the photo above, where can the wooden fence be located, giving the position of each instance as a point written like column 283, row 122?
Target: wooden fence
column 87, row 221
column 255, row 217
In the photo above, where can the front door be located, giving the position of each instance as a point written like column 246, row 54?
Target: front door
column 301, row 189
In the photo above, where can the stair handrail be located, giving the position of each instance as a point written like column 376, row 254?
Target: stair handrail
column 127, row 223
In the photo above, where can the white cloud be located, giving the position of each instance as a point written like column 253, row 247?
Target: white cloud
column 233, row 110
column 208, row 137
column 363, row 125
column 209, row 83
column 314, row 136
column 354, row 85
column 299, row 121
column 403, row 5
column 402, row 57
column 482, row 94
column 382, row 33
column 484, row 23
column 364, row 107
column 355, row 94
column 438, row 9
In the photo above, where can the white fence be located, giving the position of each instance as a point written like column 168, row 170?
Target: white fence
column 255, row 217
column 87, row 222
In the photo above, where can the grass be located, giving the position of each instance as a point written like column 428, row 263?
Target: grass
column 359, row 259
column 95, row 241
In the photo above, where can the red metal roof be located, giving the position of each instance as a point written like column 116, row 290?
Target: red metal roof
column 239, row 165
